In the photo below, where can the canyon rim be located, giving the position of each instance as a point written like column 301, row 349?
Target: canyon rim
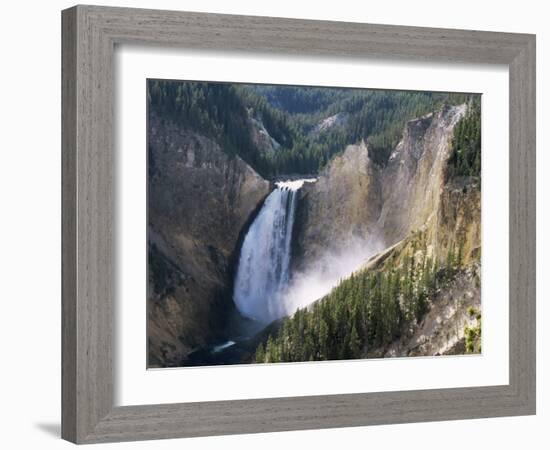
column 296, row 224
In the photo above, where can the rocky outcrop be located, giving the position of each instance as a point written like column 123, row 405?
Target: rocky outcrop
column 261, row 137
column 335, row 121
column 200, row 199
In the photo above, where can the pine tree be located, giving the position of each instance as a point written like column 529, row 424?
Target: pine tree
column 260, row 354
column 354, row 343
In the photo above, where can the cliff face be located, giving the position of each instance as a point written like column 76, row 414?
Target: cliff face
column 458, row 221
column 355, row 199
column 200, row 199
column 340, row 208
column 414, row 177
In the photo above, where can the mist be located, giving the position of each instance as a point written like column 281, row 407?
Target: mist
column 334, row 265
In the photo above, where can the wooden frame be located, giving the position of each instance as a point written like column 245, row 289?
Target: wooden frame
column 89, row 37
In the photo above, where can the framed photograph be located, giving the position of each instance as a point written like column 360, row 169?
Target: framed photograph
column 278, row 224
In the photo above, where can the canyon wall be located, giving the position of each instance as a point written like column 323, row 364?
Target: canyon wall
column 200, row 199
column 341, row 208
column 356, row 200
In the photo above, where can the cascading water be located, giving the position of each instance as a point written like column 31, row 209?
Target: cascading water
column 263, row 271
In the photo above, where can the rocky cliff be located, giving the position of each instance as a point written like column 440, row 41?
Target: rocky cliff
column 355, row 199
column 200, row 199
column 338, row 210
column 414, row 177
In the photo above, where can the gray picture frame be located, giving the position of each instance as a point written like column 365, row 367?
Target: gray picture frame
column 90, row 34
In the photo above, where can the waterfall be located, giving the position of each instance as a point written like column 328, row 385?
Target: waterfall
column 263, row 271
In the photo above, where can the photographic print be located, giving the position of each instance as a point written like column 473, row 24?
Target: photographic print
column 298, row 224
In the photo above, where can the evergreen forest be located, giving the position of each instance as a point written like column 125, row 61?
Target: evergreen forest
column 290, row 115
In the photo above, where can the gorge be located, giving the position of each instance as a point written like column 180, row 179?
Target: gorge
column 375, row 254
